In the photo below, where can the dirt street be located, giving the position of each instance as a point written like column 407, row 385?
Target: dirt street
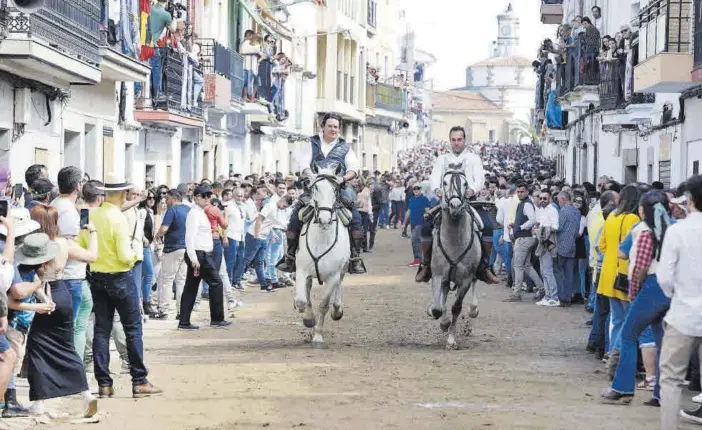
column 524, row 367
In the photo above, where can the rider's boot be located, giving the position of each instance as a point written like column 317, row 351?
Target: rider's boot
column 287, row 263
column 356, row 266
column 485, row 272
column 424, row 272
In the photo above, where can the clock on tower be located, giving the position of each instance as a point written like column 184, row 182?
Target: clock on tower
column 506, row 31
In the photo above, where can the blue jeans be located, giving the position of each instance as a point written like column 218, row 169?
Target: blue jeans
column 234, row 257
column 117, row 292
column 137, row 272
column 255, row 253
column 497, row 249
column 649, row 307
column 274, row 253
column 383, row 216
column 156, row 72
column 75, row 287
column 618, row 310
column 507, row 256
column 599, row 334
column 147, row 275
column 249, row 78
column 582, row 276
column 565, row 272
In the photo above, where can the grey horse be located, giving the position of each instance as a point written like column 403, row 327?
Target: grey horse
column 456, row 253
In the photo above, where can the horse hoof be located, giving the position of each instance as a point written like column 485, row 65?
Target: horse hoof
column 474, row 312
column 309, row 322
column 436, row 313
column 337, row 315
column 318, row 341
column 445, row 324
column 451, row 346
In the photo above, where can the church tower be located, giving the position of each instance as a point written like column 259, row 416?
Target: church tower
column 507, row 33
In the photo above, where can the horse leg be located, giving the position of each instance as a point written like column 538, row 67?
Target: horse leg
column 308, row 318
column 474, row 311
column 337, row 311
column 455, row 313
column 332, row 285
column 300, row 284
column 436, row 310
column 445, row 321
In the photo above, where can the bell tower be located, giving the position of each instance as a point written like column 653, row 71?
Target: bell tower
column 507, row 33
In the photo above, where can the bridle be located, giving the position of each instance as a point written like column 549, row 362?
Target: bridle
column 315, row 220
column 455, row 191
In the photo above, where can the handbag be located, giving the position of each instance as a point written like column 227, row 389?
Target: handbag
column 621, row 282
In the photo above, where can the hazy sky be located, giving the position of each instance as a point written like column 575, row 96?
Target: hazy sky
column 460, row 32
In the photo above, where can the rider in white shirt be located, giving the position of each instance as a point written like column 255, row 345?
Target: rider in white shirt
column 472, row 166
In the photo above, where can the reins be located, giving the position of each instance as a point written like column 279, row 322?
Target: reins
column 315, row 220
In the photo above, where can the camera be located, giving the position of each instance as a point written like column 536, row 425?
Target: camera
column 176, row 9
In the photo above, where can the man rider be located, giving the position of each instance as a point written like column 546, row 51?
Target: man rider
column 475, row 176
column 327, row 150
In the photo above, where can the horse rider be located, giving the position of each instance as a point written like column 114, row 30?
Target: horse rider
column 326, row 150
column 473, row 168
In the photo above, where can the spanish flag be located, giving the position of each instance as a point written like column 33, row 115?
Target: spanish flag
column 147, row 44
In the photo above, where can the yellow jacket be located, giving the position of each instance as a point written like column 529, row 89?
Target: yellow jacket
column 615, row 230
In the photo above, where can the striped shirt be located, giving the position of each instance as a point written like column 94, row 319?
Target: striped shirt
column 568, row 230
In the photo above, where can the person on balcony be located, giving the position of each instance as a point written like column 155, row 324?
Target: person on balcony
column 591, row 47
column 251, row 51
column 161, row 22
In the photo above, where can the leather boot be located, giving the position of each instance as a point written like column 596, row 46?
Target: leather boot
column 287, row 263
column 485, row 272
column 424, row 272
column 356, row 266
column 12, row 407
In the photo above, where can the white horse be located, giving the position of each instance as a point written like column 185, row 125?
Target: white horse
column 456, row 254
column 324, row 252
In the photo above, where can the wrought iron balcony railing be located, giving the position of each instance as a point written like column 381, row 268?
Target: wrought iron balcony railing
column 216, row 58
column 579, row 68
column 71, row 26
column 236, row 75
column 179, row 91
column 698, row 34
column 389, row 98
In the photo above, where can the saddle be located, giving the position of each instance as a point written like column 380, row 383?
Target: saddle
column 342, row 210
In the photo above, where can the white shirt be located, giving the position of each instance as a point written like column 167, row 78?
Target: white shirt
column 397, row 194
column 236, row 218
column 269, row 219
column 548, row 217
column 136, row 217
column 250, row 210
column 679, row 275
column 472, row 166
column 304, row 155
column 198, row 233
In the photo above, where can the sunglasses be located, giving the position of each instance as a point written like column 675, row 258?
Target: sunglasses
column 544, row 198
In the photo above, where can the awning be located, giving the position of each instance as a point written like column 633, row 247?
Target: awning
column 255, row 16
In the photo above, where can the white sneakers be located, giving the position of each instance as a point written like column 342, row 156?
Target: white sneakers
column 697, row 398
column 549, row 303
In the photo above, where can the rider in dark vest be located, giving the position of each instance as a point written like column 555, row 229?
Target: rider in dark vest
column 336, row 157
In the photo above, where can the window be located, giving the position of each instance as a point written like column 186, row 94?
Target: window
column 387, row 67
column 491, row 136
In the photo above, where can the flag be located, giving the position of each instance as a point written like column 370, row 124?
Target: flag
column 147, row 44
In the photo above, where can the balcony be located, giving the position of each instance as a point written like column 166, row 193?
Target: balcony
column 552, row 11
column 177, row 103
column 370, row 98
column 215, row 60
column 388, row 98
column 236, row 76
column 612, row 89
column 665, row 57
column 578, row 78
column 58, row 45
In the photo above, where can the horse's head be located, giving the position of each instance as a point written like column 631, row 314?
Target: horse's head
column 325, row 193
column 454, row 187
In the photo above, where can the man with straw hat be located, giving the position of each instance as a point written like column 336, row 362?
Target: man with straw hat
column 115, row 289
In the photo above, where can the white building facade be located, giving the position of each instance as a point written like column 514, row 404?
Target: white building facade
column 645, row 134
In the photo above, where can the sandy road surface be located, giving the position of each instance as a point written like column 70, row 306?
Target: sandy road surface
column 524, row 367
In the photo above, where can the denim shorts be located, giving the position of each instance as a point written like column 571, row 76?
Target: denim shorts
column 4, row 344
column 646, row 339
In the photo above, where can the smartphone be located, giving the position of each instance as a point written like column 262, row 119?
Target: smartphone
column 18, row 191
column 3, row 208
column 84, row 217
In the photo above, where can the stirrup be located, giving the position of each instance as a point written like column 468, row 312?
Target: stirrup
column 483, row 269
column 286, row 265
column 361, row 269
